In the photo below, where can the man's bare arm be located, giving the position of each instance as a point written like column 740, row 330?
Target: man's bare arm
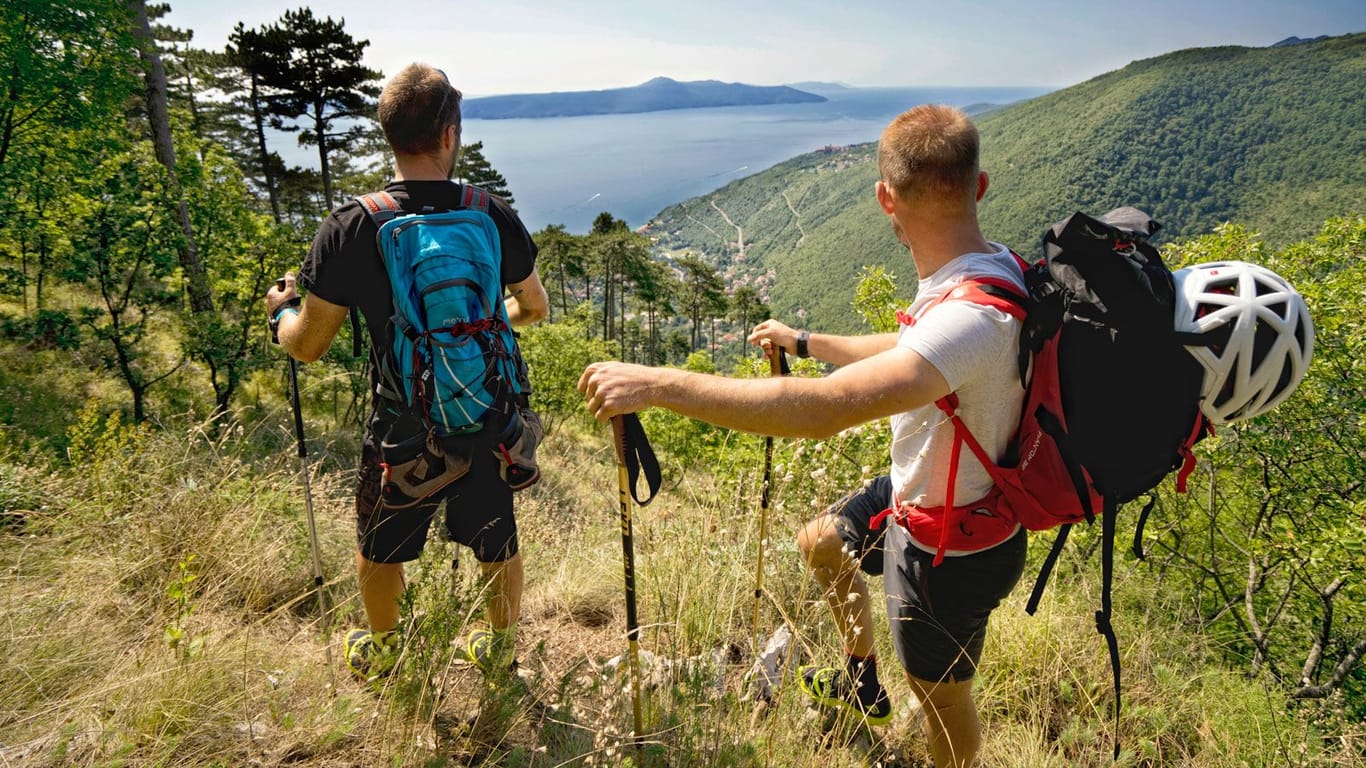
column 893, row 381
column 308, row 334
column 527, row 301
column 838, row 350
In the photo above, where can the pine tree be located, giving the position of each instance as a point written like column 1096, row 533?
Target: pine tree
column 321, row 82
column 474, row 168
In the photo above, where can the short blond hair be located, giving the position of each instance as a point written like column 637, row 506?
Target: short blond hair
column 929, row 149
column 415, row 108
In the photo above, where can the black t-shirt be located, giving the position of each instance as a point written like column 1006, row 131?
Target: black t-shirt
column 344, row 266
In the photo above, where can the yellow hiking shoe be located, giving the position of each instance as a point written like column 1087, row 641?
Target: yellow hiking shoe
column 832, row 687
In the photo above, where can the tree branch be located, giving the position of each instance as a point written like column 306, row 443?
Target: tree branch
column 1325, row 629
column 1340, row 673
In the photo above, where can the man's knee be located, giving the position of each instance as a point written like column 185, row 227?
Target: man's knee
column 496, row 568
column 942, row 695
column 819, row 541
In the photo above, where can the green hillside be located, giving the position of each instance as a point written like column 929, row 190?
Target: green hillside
column 1272, row 138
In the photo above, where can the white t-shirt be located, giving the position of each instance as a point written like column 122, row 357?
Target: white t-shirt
column 975, row 348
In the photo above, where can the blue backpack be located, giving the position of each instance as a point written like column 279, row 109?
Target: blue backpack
column 454, row 361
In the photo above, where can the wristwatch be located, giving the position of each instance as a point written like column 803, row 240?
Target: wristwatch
column 802, row 338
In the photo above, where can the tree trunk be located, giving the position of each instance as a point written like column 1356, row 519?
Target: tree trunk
column 139, row 404
column 259, row 121
column 609, row 288
column 320, row 128
column 158, row 114
column 588, row 297
column 564, row 294
column 7, row 124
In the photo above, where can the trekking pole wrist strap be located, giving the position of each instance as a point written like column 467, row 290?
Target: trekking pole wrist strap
column 635, row 453
column 274, row 322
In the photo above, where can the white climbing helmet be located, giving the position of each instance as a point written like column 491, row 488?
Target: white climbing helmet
column 1261, row 336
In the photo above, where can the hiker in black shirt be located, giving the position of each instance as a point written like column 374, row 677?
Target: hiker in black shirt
column 419, row 111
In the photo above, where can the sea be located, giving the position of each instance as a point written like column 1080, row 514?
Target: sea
column 568, row 170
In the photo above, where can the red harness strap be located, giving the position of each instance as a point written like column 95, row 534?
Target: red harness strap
column 986, row 522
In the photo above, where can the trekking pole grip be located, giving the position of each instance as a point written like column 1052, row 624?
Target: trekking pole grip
column 777, row 361
column 275, row 329
column 619, row 438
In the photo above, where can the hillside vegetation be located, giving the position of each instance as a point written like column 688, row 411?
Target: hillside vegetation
column 1269, row 137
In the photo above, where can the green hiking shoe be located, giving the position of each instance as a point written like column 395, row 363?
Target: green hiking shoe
column 370, row 658
column 488, row 650
column 832, row 687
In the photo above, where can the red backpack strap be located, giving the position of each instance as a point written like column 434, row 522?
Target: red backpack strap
column 991, row 292
column 961, row 437
column 474, row 197
column 379, row 206
column 1187, row 450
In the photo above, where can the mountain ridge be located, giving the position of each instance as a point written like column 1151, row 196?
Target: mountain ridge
column 1267, row 137
column 654, row 95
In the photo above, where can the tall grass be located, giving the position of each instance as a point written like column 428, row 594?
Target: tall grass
column 159, row 611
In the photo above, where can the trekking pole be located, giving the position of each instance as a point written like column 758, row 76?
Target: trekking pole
column 632, row 449
column 777, row 367
column 308, row 493
column 629, row 568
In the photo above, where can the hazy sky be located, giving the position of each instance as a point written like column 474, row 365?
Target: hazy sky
column 519, row 46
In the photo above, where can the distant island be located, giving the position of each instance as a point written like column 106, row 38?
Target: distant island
column 661, row 93
column 820, row 87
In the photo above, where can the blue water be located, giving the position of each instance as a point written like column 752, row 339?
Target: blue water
column 567, row 170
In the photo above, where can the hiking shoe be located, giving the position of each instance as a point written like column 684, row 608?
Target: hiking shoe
column 369, row 659
column 831, row 687
column 484, row 649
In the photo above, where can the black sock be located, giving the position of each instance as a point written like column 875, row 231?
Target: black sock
column 863, row 671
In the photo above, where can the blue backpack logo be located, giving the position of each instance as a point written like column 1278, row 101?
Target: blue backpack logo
column 453, row 360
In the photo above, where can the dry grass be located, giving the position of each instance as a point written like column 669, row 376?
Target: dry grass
column 90, row 678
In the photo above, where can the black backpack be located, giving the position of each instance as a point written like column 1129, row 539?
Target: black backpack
column 1112, row 397
column 1130, row 391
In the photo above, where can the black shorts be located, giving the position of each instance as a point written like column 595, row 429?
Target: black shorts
column 478, row 514
column 937, row 614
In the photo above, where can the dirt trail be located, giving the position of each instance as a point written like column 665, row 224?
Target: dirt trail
column 708, row 227
column 739, row 232
column 796, row 219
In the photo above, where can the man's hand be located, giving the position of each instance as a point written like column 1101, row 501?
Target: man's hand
column 616, row 388
column 278, row 297
column 772, row 330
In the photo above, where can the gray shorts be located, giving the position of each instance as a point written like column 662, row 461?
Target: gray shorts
column 937, row 615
